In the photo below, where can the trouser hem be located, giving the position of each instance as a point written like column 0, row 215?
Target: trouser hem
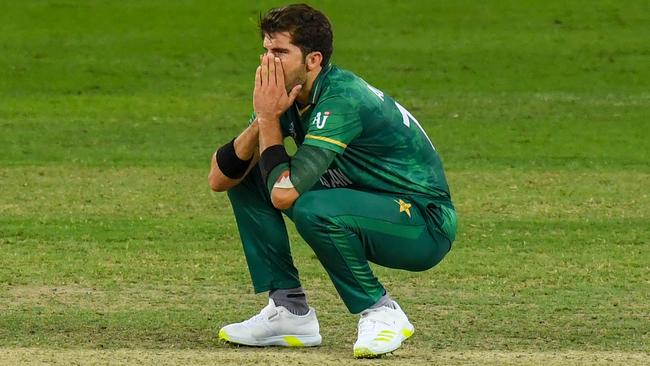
column 275, row 285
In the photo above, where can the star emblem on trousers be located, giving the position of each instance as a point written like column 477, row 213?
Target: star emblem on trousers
column 404, row 207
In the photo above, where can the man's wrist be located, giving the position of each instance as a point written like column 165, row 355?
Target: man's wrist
column 254, row 127
column 262, row 119
column 231, row 165
column 272, row 157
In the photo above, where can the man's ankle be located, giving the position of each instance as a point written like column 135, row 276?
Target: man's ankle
column 293, row 299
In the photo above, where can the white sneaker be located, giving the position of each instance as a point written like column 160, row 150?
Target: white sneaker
column 381, row 331
column 275, row 326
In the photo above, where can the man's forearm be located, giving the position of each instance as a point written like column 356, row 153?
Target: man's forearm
column 272, row 163
column 246, row 143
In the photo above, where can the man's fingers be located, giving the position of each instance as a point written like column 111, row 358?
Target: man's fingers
column 272, row 72
column 279, row 73
column 258, row 77
column 294, row 93
column 265, row 71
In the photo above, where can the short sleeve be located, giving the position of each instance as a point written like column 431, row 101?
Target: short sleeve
column 334, row 123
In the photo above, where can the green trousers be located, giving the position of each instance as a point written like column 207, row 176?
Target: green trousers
column 346, row 228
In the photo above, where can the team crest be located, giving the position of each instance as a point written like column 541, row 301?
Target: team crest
column 404, row 207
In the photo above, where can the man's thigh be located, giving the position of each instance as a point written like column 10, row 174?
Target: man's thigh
column 391, row 229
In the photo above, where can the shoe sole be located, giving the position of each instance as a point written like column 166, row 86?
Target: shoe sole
column 280, row 341
column 365, row 352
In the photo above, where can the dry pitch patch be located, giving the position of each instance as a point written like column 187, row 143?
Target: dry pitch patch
column 321, row 355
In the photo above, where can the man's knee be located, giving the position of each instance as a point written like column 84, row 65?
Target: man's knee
column 423, row 263
column 305, row 213
column 431, row 257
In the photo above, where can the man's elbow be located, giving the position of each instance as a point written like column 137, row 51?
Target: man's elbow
column 218, row 184
column 283, row 198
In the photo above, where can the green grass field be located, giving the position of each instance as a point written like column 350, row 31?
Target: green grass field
column 113, row 250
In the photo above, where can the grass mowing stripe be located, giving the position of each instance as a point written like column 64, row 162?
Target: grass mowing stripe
column 79, row 194
column 518, row 131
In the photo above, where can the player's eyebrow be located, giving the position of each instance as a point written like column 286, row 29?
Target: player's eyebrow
column 278, row 50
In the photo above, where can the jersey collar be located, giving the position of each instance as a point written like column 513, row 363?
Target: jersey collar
column 316, row 90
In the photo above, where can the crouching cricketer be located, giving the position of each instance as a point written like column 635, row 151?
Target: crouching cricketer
column 365, row 185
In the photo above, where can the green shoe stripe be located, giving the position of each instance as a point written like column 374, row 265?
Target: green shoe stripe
column 382, row 339
column 364, row 352
column 293, row 341
column 387, row 332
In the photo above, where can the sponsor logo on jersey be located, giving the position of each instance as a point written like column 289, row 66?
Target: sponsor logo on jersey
column 334, row 178
column 320, row 122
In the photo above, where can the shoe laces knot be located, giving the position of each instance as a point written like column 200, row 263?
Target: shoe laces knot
column 370, row 320
column 264, row 315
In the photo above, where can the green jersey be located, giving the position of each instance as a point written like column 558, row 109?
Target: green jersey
column 380, row 146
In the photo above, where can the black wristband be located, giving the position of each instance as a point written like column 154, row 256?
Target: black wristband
column 229, row 163
column 272, row 157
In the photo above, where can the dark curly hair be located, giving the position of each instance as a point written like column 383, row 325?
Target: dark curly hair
column 309, row 28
